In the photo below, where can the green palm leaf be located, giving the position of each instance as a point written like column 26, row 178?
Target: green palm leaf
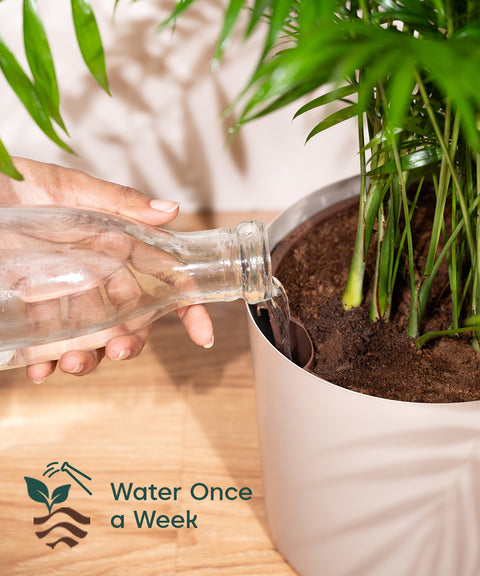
column 413, row 161
column 333, row 95
column 180, row 7
column 231, row 16
column 333, row 119
column 280, row 12
column 257, row 13
column 422, row 16
column 6, row 164
column 89, row 41
column 26, row 92
column 40, row 60
column 39, row 92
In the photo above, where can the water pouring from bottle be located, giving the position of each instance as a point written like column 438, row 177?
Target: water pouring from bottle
column 279, row 313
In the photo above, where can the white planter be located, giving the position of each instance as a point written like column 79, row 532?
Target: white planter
column 357, row 485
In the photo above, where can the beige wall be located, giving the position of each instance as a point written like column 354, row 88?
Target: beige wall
column 161, row 130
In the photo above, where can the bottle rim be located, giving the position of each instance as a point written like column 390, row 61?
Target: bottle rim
column 257, row 284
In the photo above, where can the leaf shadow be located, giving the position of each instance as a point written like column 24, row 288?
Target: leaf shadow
column 138, row 58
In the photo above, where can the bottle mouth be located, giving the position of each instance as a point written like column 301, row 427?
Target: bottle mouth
column 256, row 261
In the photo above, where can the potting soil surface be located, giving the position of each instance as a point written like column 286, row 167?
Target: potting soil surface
column 376, row 358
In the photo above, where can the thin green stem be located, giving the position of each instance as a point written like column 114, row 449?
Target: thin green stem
column 412, row 329
column 404, row 236
column 453, row 173
column 426, row 286
column 422, row 340
column 466, row 287
column 441, row 200
column 455, row 272
column 353, row 293
column 392, row 234
column 401, row 179
column 450, row 21
column 370, row 199
column 475, row 299
column 376, row 305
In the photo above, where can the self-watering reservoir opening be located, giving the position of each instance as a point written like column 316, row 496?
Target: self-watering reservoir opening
column 300, row 344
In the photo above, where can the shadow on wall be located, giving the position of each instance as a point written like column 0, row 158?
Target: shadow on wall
column 162, row 84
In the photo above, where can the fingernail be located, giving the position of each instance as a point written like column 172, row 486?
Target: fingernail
column 210, row 344
column 38, row 381
column 123, row 354
column 164, row 205
column 76, row 369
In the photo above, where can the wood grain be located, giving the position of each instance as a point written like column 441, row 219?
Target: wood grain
column 176, row 416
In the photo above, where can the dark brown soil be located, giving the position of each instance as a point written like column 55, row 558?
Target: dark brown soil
column 374, row 358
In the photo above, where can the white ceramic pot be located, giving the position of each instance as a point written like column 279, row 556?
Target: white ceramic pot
column 357, row 485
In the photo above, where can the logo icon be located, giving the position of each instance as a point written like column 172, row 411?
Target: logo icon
column 63, row 523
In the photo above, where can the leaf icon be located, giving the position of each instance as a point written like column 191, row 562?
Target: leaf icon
column 38, row 491
column 60, row 494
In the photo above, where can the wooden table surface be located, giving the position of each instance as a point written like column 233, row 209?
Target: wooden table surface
column 178, row 416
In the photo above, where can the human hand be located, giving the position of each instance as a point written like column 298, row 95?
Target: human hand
column 46, row 184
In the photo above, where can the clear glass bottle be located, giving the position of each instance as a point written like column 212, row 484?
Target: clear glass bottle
column 74, row 278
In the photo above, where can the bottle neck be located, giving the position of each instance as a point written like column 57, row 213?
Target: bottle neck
column 221, row 265
column 254, row 261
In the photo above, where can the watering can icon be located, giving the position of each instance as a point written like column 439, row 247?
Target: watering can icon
column 74, row 473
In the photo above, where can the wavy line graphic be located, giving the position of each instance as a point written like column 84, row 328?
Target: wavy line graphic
column 74, row 515
column 68, row 526
column 66, row 540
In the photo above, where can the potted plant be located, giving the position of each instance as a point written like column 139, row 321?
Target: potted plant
column 357, row 483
